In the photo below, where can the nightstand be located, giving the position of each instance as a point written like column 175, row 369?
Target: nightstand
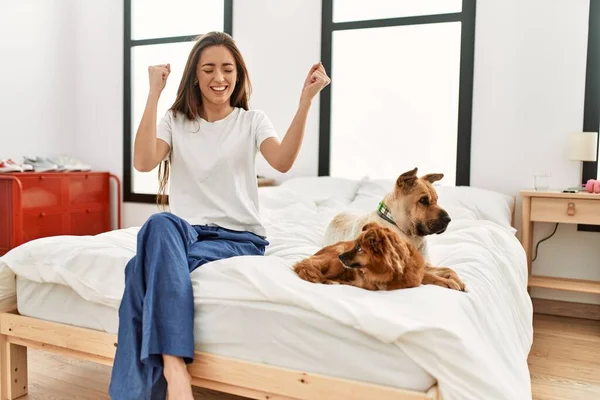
column 554, row 206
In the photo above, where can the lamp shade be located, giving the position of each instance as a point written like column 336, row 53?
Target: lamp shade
column 583, row 146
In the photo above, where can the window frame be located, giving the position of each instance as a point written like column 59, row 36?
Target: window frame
column 591, row 108
column 128, row 194
column 465, row 104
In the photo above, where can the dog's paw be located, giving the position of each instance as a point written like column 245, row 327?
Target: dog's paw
column 450, row 284
column 330, row 282
column 455, row 284
column 450, row 275
column 309, row 275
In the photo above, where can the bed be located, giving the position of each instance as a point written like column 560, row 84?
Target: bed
column 263, row 333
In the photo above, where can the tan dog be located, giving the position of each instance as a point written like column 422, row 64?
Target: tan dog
column 378, row 259
column 412, row 211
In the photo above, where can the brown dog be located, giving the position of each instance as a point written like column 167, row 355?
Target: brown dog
column 378, row 259
column 412, row 211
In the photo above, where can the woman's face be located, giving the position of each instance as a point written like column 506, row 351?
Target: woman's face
column 216, row 74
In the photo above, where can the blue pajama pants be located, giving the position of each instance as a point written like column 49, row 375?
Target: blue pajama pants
column 156, row 315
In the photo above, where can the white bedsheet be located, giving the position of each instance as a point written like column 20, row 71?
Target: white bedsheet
column 261, row 332
column 475, row 344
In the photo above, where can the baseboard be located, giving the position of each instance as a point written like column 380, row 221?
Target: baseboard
column 567, row 309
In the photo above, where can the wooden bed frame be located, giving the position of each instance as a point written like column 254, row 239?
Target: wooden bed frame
column 243, row 378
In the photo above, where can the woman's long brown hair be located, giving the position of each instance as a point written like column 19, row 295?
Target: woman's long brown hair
column 189, row 100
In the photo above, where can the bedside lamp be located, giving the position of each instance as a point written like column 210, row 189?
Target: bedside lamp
column 583, row 146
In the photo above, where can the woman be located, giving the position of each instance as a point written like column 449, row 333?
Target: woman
column 208, row 140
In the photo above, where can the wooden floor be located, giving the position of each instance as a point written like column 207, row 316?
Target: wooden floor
column 54, row 377
column 564, row 361
column 564, row 364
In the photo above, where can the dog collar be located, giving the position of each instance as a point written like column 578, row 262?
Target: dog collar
column 385, row 213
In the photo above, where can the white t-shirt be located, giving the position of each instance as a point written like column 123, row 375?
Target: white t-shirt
column 213, row 174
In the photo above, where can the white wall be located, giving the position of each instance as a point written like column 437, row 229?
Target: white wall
column 99, row 92
column 280, row 41
column 528, row 92
column 37, row 106
column 529, row 84
column 98, row 61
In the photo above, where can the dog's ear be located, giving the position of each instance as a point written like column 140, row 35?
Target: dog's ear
column 372, row 237
column 407, row 180
column 432, row 177
column 370, row 225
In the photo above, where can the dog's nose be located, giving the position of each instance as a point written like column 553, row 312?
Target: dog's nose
column 444, row 217
column 442, row 222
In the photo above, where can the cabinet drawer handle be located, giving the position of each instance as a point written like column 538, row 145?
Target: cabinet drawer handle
column 41, row 177
column 42, row 214
column 87, row 210
column 571, row 209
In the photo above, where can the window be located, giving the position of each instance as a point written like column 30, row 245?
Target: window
column 158, row 32
column 401, row 91
column 591, row 111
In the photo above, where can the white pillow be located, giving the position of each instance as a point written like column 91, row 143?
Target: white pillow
column 484, row 204
column 321, row 188
column 376, row 187
column 276, row 197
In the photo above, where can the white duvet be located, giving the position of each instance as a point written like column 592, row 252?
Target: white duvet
column 475, row 344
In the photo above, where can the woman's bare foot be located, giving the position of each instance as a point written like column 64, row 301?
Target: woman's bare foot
column 179, row 382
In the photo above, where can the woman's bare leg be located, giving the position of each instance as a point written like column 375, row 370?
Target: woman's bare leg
column 179, row 382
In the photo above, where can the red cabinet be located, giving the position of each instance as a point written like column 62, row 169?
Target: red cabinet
column 35, row 205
